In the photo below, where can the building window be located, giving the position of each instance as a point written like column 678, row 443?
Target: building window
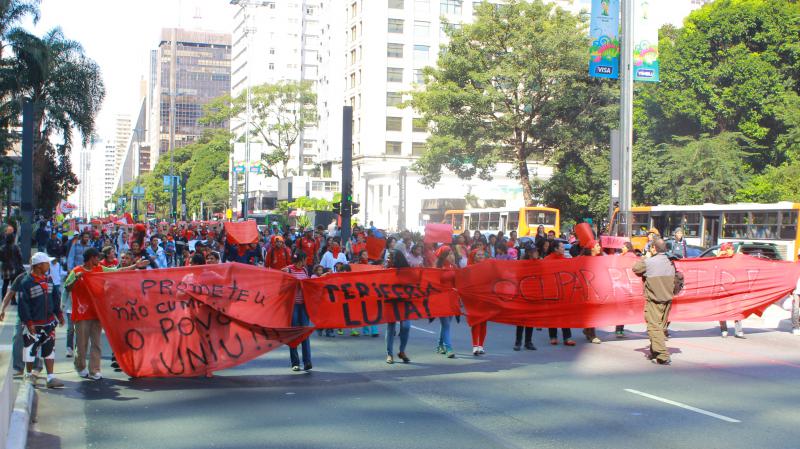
column 272, row 66
column 419, row 125
column 396, row 4
column 393, row 98
column 450, row 7
column 421, row 54
column 417, row 148
column 395, row 26
column 394, row 148
column 394, row 50
column 272, row 51
column 353, row 33
column 352, row 57
column 394, row 75
column 354, row 9
column 419, row 76
column 422, row 29
column 352, row 80
column 325, row 186
column 394, row 123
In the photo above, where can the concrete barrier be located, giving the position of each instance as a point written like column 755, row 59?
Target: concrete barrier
column 21, row 417
column 6, row 394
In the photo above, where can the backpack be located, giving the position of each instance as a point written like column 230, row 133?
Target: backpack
column 678, row 281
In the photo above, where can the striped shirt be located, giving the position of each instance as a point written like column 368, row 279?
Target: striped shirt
column 299, row 274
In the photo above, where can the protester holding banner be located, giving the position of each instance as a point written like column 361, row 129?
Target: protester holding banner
column 726, row 250
column 445, row 259
column 87, row 324
column 557, row 253
column 299, row 314
column 479, row 330
column 333, row 255
column 415, row 258
column 278, row 256
column 397, row 260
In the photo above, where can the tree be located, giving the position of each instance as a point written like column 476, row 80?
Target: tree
column 279, row 114
column 11, row 13
column 510, row 87
column 66, row 90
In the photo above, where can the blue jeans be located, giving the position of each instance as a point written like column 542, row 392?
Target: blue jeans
column 444, row 332
column 300, row 318
column 369, row 330
column 405, row 328
column 70, row 331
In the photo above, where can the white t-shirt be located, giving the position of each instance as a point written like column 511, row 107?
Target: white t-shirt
column 328, row 261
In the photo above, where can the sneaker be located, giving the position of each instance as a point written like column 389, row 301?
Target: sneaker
column 19, row 374
column 662, row 362
column 596, row 341
column 403, row 357
column 389, row 359
column 517, row 346
column 620, row 334
column 340, row 331
column 30, row 378
column 796, row 331
column 740, row 335
column 480, row 350
column 307, row 367
column 475, row 351
column 84, row 373
column 70, row 353
column 724, row 334
column 355, row 333
column 530, row 347
column 114, row 365
column 296, row 368
column 440, row 349
column 450, row 354
column 569, row 343
column 96, row 376
column 55, row 383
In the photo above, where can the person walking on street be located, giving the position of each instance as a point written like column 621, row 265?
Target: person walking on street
column 726, row 250
column 658, row 272
column 299, row 314
column 11, row 258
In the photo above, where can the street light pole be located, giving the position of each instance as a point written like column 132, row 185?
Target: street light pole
column 626, row 118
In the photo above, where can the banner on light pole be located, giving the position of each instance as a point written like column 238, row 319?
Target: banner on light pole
column 604, row 31
column 645, row 42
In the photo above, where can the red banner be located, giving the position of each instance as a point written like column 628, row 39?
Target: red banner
column 359, row 299
column 438, row 233
column 361, row 267
column 192, row 321
column 601, row 291
column 241, row 233
column 375, row 247
column 612, row 242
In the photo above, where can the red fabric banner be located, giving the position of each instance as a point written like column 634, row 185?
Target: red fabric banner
column 438, row 233
column 375, row 247
column 361, row 267
column 601, row 291
column 192, row 321
column 612, row 242
column 241, row 233
column 359, row 299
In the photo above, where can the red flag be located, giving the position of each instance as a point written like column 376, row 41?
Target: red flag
column 195, row 320
column 438, row 233
column 241, row 233
column 376, row 297
column 375, row 247
column 612, row 242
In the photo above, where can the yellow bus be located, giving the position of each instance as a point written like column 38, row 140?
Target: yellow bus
column 524, row 220
column 708, row 225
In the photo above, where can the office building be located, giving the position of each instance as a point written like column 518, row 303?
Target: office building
column 110, row 168
column 122, row 135
column 191, row 68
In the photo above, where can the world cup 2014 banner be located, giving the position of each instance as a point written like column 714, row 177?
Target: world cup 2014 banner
column 601, row 291
column 195, row 320
column 192, row 321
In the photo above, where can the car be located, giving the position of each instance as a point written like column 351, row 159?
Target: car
column 756, row 249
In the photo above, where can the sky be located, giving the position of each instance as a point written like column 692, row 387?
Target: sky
column 119, row 34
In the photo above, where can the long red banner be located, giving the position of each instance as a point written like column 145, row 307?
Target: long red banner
column 195, row 320
column 190, row 322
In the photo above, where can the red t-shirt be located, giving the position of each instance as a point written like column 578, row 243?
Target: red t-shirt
column 82, row 306
column 111, row 264
column 310, row 247
column 357, row 248
column 278, row 258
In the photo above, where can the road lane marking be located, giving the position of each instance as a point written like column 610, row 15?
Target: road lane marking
column 683, row 406
column 423, row 330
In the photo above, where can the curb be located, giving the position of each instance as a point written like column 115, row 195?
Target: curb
column 21, row 417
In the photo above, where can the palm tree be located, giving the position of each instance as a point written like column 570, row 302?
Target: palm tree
column 67, row 91
column 11, row 12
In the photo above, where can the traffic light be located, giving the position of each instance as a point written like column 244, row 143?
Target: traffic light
column 337, row 207
column 353, row 209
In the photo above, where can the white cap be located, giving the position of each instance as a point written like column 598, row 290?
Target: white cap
column 38, row 258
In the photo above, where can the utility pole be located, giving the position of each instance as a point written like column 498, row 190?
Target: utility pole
column 626, row 119
column 26, row 233
column 172, row 93
column 347, row 170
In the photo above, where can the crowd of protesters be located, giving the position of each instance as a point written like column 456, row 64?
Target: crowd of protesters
column 44, row 291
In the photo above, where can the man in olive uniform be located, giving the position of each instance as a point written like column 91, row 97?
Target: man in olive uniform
column 658, row 272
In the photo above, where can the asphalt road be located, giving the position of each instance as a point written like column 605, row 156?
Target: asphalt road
column 718, row 393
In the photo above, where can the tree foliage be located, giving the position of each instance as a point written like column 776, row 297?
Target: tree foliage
column 509, row 88
column 280, row 112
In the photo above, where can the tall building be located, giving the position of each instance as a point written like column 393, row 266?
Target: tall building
column 191, row 68
column 273, row 41
column 110, row 168
column 123, row 133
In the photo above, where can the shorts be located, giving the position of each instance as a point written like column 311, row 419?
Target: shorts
column 42, row 342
